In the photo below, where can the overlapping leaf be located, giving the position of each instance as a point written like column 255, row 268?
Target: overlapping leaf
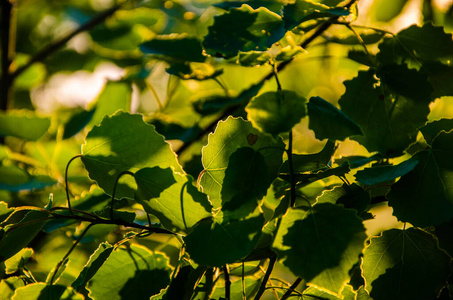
column 321, row 245
column 229, row 136
column 419, row 44
column 404, row 264
column 124, row 142
column 301, row 11
column 381, row 174
column 424, row 196
column 276, row 112
column 432, row 129
column 223, row 240
column 133, row 271
column 176, row 48
column 388, row 120
column 328, row 122
column 42, row 291
column 243, row 29
column 172, row 198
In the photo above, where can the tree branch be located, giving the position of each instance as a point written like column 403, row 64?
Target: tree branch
column 54, row 46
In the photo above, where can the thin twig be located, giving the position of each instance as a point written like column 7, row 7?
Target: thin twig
column 226, row 276
column 54, row 46
column 66, row 182
column 270, row 267
column 6, row 52
column 292, row 288
column 60, row 263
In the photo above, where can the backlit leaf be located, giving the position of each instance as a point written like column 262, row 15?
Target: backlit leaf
column 42, row 291
column 328, row 122
column 276, row 112
column 218, row 241
column 18, row 261
column 381, row 174
column 389, row 123
column 18, row 235
column 229, row 136
column 23, row 124
column 424, row 196
column 386, row 10
column 124, row 142
column 180, row 48
column 243, row 29
column 301, row 11
column 426, row 43
column 115, row 96
column 321, row 245
column 133, row 271
column 97, row 259
column 311, row 162
column 172, row 198
column 404, row 264
column 9, row 285
column 432, row 129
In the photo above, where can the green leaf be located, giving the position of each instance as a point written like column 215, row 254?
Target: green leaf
column 246, row 179
column 173, row 47
column 97, row 259
column 171, row 198
column 302, row 11
column 305, row 179
column 220, row 240
column 424, row 196
column 368, row 37
column 115, row 96
column 328, row 122
column 432, row 129
column 23, row 124
column 119, row 37
column 18, row 261
column 77, row 122
column 243, row 29
column 229, row 136
column 56, row 272
column 404, row 264
column 311, row 162
column 381, row 174
column 253, row 58
column 387, row 10
column 18, row 235
column 389, row 123
column 350, row 196
column 440, row 77
column 32, row 76
column 134, row 271
column 276, row 112
column 15, row 179
column 406, row 82
column 313, row 292
column 42, row 291
column 9, row 285
column 321, row 245
column 5, row 211
column 124, row 142
column 444, row 233
column 125, row 216
column 251, row 287
column 419, row 44
column 210, row 104
column 174, row 131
